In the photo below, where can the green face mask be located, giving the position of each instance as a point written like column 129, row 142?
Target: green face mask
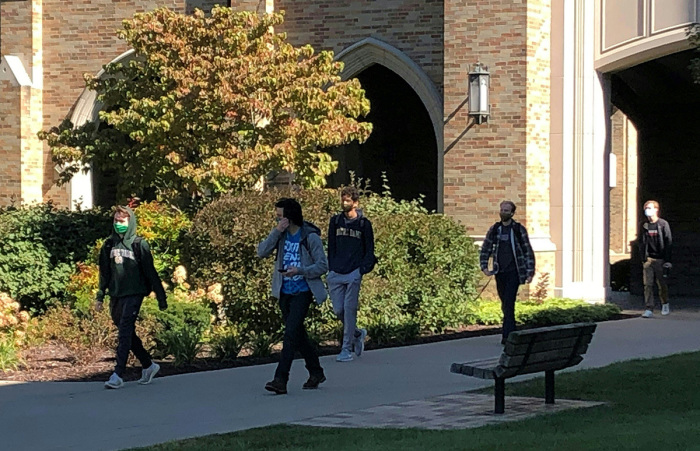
column 120, row 228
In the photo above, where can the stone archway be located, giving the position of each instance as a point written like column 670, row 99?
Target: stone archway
column 87, row 109
column 370, row 51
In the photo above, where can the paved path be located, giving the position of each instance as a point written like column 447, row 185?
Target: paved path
column 76, row 416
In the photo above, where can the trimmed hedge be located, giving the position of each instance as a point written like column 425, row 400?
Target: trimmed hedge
column 427, row 268
column 39, row 247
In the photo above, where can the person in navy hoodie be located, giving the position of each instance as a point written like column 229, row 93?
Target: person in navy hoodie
column 350, row 256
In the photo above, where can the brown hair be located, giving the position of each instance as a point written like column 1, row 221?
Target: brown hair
column 121, row 211
column 656, row 204
column 350, row 191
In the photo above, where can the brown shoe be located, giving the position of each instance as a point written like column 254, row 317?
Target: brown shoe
column 314, row 382
column 277, row 386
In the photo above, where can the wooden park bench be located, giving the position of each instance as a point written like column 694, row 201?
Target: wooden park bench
column 545, row 349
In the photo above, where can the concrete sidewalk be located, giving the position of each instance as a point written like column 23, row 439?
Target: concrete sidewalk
column 76, row 416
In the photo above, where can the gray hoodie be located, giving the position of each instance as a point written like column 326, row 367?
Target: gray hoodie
column 313, row 259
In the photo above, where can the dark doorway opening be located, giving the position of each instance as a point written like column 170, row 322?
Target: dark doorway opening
column 402, row 143
column 662, row 100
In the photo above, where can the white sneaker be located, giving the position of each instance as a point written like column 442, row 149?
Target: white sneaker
column 344, row 356
column 114, row 382
column 647, row 314
column 665, row 309
column 360, row 342
column 149, row 373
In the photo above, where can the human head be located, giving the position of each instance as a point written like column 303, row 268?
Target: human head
column 121, row 215
column 507, row 210
column 291, row 209
column 122, row 218
column 651, row 208
column 349, row 197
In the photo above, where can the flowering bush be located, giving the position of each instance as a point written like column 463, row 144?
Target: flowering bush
column 13, row 320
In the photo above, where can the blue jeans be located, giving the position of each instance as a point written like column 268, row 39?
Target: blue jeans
column 124, row 312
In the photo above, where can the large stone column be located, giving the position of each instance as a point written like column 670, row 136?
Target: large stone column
column 21, row 72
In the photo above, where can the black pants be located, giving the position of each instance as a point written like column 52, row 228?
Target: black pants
column 294, row 309
column 124, row 312
column 507, row 284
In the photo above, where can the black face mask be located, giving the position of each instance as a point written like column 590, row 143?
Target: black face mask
column 506, row 216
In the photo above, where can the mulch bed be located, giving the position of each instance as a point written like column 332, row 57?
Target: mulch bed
column 52, row 362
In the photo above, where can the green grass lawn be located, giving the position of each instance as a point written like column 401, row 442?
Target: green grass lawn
column 651, row 405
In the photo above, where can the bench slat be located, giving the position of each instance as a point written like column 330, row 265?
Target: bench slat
column 513, row 349
column 483, row 369
column 536, row 368
column 508, row 361
column 550, row 333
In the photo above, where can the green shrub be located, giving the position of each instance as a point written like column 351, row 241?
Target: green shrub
column 177, row 331
column 163, row 227
column 83, row 334
column 9, row 354
column 183, row 343
column 227, row 342
column 39, row 246
column 427, row 267
column 548, row 313
column 260, row 343
column 221, row 246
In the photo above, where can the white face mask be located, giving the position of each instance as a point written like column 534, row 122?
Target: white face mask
column 650, row 212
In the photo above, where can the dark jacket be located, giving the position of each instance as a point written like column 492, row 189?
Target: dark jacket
column 520, row 243
column 126, row 272
column 665, row 239
column 313, row 259
column 350, row 244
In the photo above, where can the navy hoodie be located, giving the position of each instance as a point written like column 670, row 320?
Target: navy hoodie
column 350, row 244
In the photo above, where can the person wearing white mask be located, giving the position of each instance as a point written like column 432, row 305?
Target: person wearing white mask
column 655, row 244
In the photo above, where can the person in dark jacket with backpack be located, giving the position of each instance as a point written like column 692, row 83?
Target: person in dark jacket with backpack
column 296, row 282
column 655, row 245
column 350, row 256
column 127, row 275
column 513, row 261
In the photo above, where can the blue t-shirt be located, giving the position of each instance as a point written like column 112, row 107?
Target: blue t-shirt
column 292, row 257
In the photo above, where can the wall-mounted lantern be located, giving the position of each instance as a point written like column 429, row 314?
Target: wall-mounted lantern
column 479, row 80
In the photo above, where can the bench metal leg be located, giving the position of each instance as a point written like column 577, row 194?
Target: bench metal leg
column 549, row 387
column 500, row 392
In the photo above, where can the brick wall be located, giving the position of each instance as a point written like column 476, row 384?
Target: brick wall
column 538, row 116
column 413, row 26
column 485, row 163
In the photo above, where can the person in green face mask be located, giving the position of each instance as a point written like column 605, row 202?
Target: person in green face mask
column 127, row 275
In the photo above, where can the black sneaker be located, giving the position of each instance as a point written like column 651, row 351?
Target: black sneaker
column 277, row 386
column 314, row 382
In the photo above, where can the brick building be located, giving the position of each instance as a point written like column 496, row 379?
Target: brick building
column 560, row 141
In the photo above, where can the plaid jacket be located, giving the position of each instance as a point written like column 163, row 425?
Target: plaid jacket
column 524, row 256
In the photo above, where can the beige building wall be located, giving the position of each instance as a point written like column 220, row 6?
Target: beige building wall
column 630, row 32
column 623, row 193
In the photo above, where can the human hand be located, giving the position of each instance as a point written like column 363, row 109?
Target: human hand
column 487, row 273
column 291, row 271
column 529, row 279
column 668, row 265
column 282, row 225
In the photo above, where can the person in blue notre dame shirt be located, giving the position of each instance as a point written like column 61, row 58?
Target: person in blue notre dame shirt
column 296, row 282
